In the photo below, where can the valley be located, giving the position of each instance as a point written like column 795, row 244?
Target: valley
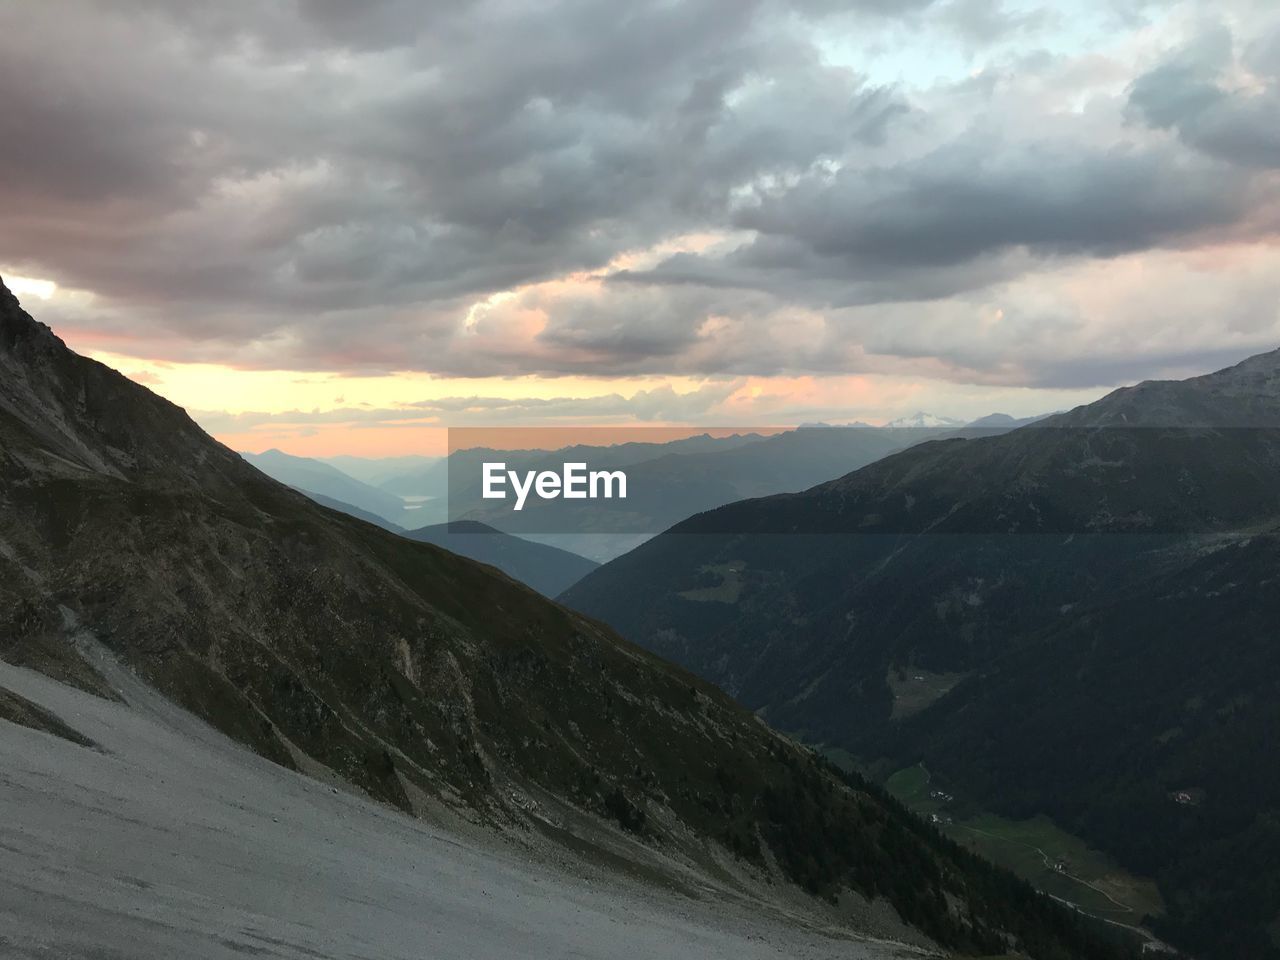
column 1036, row 850
column 424, row 682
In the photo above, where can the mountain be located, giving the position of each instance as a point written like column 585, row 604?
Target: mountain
column 1074, row 618
column 304, row 473
column 425, row 480
column 376, row 471
column 433, row 479
column 922, row 421
column 136, row 847
column 546, row 568
column 1002, row 421
column 549, row 570
column 351, row 511
column 429, row 683
column 668, row 482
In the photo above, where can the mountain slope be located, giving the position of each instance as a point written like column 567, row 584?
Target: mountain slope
column 351, row 511
column 430, row 683
column 1002, row 421
column 549, row 570
column 1007, row 564
column 1161, row 750
column 136, row 848
column 318, row 477
column 376, row 471
column 433, row 479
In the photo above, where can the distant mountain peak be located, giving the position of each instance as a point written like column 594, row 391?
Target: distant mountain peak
column 994, row 420
column 1245, row 394
column 823, row 425
column 921, row 419
column 1003, row 421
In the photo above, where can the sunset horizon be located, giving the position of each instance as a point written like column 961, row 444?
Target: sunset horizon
column 721, row 214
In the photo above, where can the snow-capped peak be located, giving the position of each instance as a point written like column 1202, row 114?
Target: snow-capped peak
column 922, row 419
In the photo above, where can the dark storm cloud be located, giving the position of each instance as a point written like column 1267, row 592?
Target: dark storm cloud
column 1191, row 94
column 644, row 325
column 154, row 154
column 901, row 232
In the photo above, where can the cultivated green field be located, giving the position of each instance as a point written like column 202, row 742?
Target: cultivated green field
column 1058, row 863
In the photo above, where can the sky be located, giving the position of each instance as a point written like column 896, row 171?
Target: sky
column 336, row 228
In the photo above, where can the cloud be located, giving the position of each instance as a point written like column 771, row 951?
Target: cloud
column 893, row 233
column 217, row 163
column 979, row 22
column 1222, row 102
column 657, row 404
column 480, row 189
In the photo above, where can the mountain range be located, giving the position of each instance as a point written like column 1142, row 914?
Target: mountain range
column 668, row 481
column 377, row 471
column 318, row 477
column 921, row 420
column 428, row 682
column 664, row 483
column 545, row 568
column 1074, row 619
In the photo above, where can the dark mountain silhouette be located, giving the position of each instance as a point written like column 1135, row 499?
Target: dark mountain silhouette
column 432, row 683
column 1105, row 581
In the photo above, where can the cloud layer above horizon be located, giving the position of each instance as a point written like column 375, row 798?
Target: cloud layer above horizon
column 1009, row 194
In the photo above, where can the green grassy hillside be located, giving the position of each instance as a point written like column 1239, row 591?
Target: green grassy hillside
column 1075, row 619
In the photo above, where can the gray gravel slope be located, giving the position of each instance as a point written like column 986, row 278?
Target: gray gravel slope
column 171, row 841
